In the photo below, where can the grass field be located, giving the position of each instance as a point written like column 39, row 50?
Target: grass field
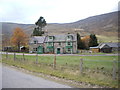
column 96, row 69
column 102, row 39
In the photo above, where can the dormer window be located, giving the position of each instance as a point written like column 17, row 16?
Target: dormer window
column 35, row 42
column 70, row 37
column 50, row 37
column 69, row 43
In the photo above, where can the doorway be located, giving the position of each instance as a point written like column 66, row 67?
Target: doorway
column 58, row 50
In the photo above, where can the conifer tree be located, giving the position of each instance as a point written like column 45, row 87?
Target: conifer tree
column 39, row 26
column 93, row 40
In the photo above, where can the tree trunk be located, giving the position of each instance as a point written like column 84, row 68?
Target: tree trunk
column 18, row 47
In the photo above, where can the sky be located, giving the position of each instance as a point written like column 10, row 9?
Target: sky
column 54, row 11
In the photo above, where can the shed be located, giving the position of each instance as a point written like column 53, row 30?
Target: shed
column 105, row 48
column 23, row 49
column 95, row 49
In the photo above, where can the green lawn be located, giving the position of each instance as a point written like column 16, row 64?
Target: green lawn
column 96, row 69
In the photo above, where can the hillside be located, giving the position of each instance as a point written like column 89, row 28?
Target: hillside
column 106, row 24
column 103, row 25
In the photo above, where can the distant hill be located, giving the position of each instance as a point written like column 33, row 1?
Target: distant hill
column 105, row 24
column 7, row 28
column 101, row 25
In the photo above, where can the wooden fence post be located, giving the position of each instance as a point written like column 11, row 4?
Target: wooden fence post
column 54, row 62
column 118, row 71
column 36, row 58
column 81, row 65
column 14, row 56
column 23, row 57
column 6, row 55
column 114, row 70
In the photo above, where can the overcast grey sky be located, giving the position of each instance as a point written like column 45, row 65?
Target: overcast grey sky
column 54, row 11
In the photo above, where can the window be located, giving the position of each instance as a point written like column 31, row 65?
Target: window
column 50, row 44
column 50, row 50
column 68, row 37
column 35, row 42
column 34, row 49
column 50, row 37
column 69, row 49
column 69, row 43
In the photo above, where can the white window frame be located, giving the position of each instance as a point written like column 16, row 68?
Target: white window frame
column 35, row 49
column 69, row 49
column 35, row 42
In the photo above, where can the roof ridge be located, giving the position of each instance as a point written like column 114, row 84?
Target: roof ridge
column 45, row 38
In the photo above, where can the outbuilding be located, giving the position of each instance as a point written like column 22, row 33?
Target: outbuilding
column 95, row 49
column 106, row 47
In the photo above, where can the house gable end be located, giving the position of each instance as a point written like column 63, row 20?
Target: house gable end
column 104, row 46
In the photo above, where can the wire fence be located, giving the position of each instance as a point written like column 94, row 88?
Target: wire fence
column 74, row 65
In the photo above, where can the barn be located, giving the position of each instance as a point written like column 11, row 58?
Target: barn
column 106, row 47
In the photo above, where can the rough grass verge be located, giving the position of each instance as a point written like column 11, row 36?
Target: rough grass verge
column 92, row 77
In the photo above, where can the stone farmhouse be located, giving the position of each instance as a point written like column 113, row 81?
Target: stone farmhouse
column 59, row 44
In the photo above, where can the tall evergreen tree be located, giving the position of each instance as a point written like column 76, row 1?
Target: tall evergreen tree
column 41, row 23
column 93, row 40
column 37, row 32
column 39, row 26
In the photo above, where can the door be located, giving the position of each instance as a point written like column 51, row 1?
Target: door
column 58, row 50
column 40, row 50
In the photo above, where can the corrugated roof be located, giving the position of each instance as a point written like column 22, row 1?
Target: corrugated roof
column 94, row 47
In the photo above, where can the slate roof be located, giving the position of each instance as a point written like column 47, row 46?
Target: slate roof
column 112, row 45
column 61, row 37
column 58, row 38
column 104, row 45
column 39, row 39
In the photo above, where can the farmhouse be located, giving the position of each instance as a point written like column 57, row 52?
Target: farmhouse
column 106, row 47
column 59, row 44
